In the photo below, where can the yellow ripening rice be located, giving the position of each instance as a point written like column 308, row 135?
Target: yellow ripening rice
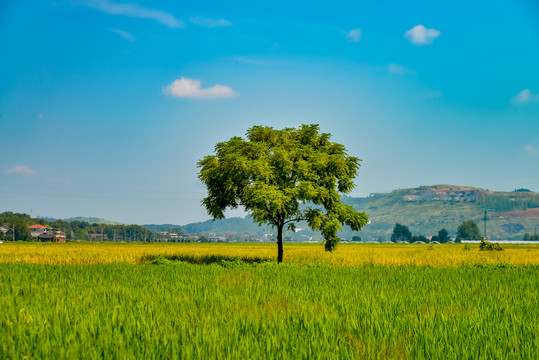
column 300, row 254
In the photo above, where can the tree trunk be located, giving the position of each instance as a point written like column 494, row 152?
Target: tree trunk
column 280, row 244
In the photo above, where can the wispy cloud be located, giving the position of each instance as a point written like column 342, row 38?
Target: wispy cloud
column 525, row 97
column 354, row 35
column 126, row 35
column 136, row 11
column 420, row 35
column 531, row 150
column 210, row 23
column 40, row 116
column 20, row 170
column 399, row 69
column 190, row 88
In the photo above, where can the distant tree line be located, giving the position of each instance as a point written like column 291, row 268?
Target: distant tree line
column 402, row 233
column 17, row 222
column 531, row 237
column 468, row 230
column 508, row 203
column 75, row 230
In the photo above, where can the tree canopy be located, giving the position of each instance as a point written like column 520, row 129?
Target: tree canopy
column 468, row 230
column 401, row 233
column 281, row 177
column 443, row 236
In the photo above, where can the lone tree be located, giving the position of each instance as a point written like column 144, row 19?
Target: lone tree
column 401, row 233
column 443, row 236
column 274, row 171
column 468, row 230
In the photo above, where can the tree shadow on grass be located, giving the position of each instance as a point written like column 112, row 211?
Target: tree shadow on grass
column 223, row 260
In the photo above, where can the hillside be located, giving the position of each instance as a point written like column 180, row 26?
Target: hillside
column 92, row 220
column 425, row 210
column 236, row 225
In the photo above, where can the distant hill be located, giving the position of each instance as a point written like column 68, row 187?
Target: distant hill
column 92, row 220
column 161, row 227
column 236, row 225
column 47, row 218
column 425, row 210
column 231, row 225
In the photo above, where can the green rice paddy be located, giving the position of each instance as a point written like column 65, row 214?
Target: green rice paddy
column 172, row 310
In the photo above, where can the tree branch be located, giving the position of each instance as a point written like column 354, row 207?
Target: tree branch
column 294, row 220
column 269, row 214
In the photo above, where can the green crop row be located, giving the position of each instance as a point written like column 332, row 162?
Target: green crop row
column 177, row 310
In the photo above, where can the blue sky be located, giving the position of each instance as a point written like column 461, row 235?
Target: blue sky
column 106, row 106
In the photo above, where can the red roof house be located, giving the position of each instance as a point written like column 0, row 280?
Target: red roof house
column 37, row 229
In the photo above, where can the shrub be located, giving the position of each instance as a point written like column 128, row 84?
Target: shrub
column 488, row 246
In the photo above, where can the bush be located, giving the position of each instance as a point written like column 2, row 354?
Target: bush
column 488, row 246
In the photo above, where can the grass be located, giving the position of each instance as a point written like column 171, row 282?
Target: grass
column 267, row 311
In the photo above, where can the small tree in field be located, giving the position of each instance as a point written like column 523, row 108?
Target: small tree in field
column 443, row 236
column 401, row 233
column 468, row 230
column 273, row 171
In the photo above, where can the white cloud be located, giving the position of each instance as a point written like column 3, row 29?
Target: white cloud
column 530, row 149
column 126, row 35
column 210, row 23
column 420, row 35
column 40, row 116
column 525, row 97
column 189, row 88
column 20, row 170
column 399, row 69
column 136, row 11
column 354, row 35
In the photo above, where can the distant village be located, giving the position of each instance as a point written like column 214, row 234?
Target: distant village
column 72, row 232
column 46, row 233
column 445, row 193
column 39, row 232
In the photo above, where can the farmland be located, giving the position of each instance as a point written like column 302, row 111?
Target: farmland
column 298, row 254
column 363, row 301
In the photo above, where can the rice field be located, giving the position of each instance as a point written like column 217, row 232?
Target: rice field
column 133, row 301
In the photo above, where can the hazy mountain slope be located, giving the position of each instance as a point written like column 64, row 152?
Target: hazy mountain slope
column 235, row 225
column 160, row 227
column 92, row 220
